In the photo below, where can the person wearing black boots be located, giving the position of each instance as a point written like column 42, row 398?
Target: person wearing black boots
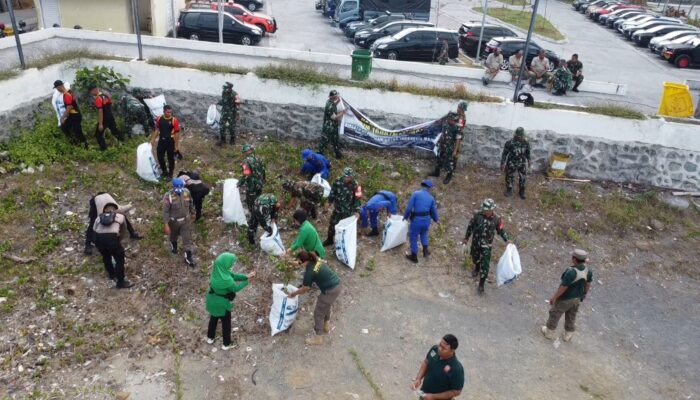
column 109, row 226
column 92, row 216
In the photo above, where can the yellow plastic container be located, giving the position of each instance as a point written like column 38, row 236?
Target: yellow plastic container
column 557, row 164
column 8, row 30
column 676, row 101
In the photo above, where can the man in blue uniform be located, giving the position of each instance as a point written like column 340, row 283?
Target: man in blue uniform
column 314, row 163
column 420, row 210
column 383, row 200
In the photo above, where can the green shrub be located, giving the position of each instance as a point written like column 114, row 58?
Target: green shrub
column 102, row 77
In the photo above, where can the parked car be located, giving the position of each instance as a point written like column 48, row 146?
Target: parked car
column 617, row 25
column 197, row 24
column 262, row 21
column 353, row 27
column 469, row 36
column 631, row 30
column 510, row 46
column 416, row 44
column 581, row 7
column 251, row 5
column 609, row 19
column 586, row 8
column 594, row 12
column 366, row 37
column 658, row 47
column 643, row 37
column 683, row 55
column 606, row 11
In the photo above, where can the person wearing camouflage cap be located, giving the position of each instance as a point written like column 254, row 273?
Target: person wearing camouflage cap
column 345, row 197
column 450, row 142
column 482, row 228
column 230, row 101
column 332, row 115
column 574, row 285
column 516, row 158
column 253, row 177
column 264, row 214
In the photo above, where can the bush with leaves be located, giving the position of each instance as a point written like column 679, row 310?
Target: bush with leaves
column 103, row 77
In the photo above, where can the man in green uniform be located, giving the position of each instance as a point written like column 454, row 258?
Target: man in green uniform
column 561, row 80
column 450, row 142
column 575, row 285
column 253, row 176
column 264, row 214
column 483, row 225
column 136, row 112
column 345, row 196
column 576, row 68
column 332, row 115
column 516, row 158
column 177, row 210
column 309, row 194
column 441, row 373
column 308, row 238
column 229, row 113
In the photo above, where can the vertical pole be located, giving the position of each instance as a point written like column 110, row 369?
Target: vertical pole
column 137, row 26
column 8, row 3
column 527, row 47
column 485, row 6
column 663, row 11
column 172, row 10
column 220, row 8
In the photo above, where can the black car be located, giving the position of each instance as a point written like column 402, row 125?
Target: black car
column 510, row 46
column 629, row 31
column 578, row 5
column 417, row 44
column 367, row 37
column 252, row 5
column 469, row 36
column 611, row 19
column 642, row 38
column 204, row 25
column 683, row 55
column 353, row 27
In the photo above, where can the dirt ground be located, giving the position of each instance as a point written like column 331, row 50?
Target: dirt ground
column 67, row 333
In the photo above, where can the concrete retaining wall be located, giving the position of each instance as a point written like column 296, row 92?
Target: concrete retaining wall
column 652, row 151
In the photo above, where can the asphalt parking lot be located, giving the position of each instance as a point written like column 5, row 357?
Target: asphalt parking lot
column 605, row 54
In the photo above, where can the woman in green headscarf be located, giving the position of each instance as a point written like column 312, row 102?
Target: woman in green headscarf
column 223, row 286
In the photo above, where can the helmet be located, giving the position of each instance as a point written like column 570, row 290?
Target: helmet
column 519, row 131
column 347, row 171
column 333, row 93
column 178, row 183
column 462, row 105
column 247, row 147
column 488, row 205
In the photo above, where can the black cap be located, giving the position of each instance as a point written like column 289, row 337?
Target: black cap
column 57, row 83
column 333, row 93
column 229, row 84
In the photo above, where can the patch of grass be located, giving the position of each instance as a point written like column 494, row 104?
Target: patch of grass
column 611, row 110
column 221, row 69
column 515, row 2
column 47, row 245
column 8, row 74
column 521, row 19
column 574, row 236
column 360, row 367
column 73, row 55
column 588, row 391
column 167, row 62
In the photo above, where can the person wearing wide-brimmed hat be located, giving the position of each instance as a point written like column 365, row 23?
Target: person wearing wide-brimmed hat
column 573, row 288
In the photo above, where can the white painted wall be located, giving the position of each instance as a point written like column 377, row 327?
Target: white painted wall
column 33, row 85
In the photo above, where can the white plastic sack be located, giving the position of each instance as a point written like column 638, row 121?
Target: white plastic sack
column 213, row 117
column 508, row 266
column 155, row 105
column 146, row 166
column 346, row 241
column 395, row 231
column 284, row 310
column 233, row 208
column 326, row 186
column 272, row 244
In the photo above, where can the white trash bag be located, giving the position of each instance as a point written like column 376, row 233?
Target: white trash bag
column 272, row 244
column 346, row 241
column 395, row 231
column 155, row 105
column 233, row 208
column 284, row 310
column 326, row 186
column 146, row 166
column 213, row 117
column 508, row 266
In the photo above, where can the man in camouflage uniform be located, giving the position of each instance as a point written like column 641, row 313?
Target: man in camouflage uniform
column 178, row 208
column 345, row 196
column 308, row 193
column 253, row 177
column 483, row 226
column 450, row 142
column 264, row 214
column 332, row 115
column 561, row 80
column 576, row 68
column 229, row 113
column 516, row 158
column 136, row 112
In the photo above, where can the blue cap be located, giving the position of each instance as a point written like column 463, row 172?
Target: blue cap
column 306, row 153
column 178, row 183
column 427, row 183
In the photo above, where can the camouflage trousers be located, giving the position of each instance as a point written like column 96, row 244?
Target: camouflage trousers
column 510, row 174
column 250, row 197
column 227, row 126
column 481, row 258
column 329, row 137
column 336, row 216
column 445, row 160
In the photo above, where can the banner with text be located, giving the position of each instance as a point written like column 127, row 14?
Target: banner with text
column 357, row 126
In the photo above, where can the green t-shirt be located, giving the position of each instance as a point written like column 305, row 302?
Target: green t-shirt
column 574, row 289
column 442, row 375
column 320, row 274
column 309, row 240
column 216, row 302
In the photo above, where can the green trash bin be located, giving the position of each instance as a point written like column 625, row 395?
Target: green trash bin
column 361, row 64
